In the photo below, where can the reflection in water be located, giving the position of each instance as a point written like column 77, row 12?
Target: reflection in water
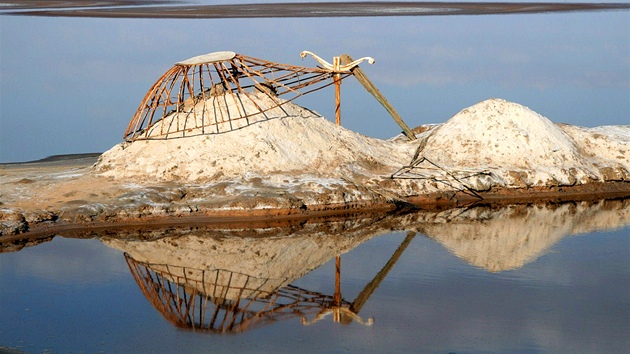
column 221, row 281
column 512, row 236
column 10, row 245
column 230, row 280
column 572, row 300
column 224, row 301
column 221, row 300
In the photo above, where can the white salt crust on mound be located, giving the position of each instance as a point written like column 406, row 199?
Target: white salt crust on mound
column 521, row 147
column 512, row 145
column 299, row 141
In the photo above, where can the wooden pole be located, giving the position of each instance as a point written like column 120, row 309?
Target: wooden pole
column 367, row 291
column 369, row 86
column 337, row 78
column 337, row 296
column 337, row 99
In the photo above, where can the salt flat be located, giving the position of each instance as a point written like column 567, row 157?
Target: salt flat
column 297, row 162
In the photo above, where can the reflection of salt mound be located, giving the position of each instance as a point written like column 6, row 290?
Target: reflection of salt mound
column 291, row 139
column 513, row 236
column 517, row 144
column 258, row 265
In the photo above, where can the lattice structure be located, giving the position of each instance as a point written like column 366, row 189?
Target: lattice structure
column 222, row 301
column 222, row 91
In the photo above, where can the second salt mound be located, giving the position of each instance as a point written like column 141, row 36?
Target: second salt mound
column 517, row 145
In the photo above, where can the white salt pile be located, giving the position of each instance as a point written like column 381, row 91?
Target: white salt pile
column 219, row 114
column 520, row 147
column 511, row 145
column 294, row 141
column 291, row 158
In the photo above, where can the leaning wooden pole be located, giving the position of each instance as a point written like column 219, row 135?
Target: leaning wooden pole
column 369, row 86
column 367, row 291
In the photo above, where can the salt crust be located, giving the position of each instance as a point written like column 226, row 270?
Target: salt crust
column 513, row 145
column 292, row 141
column 520, row 146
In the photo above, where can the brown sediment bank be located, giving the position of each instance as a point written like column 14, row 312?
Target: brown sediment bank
column 494, row 237
column 54, row 207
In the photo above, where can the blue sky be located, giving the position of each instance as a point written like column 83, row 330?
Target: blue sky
column 71, row 85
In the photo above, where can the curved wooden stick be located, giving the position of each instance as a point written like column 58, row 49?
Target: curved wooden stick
column 337, row 67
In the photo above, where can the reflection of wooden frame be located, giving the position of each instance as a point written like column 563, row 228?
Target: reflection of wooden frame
column 211, row 93
column 225, row 301
column 188, row 307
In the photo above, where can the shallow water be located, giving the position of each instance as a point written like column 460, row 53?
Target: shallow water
column 515, row 279
column 538, row 279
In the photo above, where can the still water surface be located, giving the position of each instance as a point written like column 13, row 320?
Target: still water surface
column 514, row 279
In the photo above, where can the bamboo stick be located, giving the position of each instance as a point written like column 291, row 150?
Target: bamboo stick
column 369, row 288
column 369, row 86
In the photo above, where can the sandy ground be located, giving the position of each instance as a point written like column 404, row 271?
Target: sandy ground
column 301, row 165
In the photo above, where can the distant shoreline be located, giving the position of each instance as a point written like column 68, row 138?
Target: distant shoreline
column 191, row 10
column 58, row 158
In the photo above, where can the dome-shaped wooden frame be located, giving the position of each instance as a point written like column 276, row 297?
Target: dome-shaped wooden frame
column 222, row 301
column 219, row 92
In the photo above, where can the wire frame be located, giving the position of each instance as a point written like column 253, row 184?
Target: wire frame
column 223, row 301
column 220, row 92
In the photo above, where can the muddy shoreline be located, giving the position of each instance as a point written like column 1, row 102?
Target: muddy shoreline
column 285, row 217
column 299, row 165
column 42, row 224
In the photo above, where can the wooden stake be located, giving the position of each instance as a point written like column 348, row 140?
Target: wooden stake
column 369, row 288
column 338, row 99
column 337, row 296
column 337, row 78
column 369, row 86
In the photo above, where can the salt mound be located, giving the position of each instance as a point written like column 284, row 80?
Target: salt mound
column 295, row 140
column 519, row 145
column 501, row 134
column 607, row 147
column 493, row 143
